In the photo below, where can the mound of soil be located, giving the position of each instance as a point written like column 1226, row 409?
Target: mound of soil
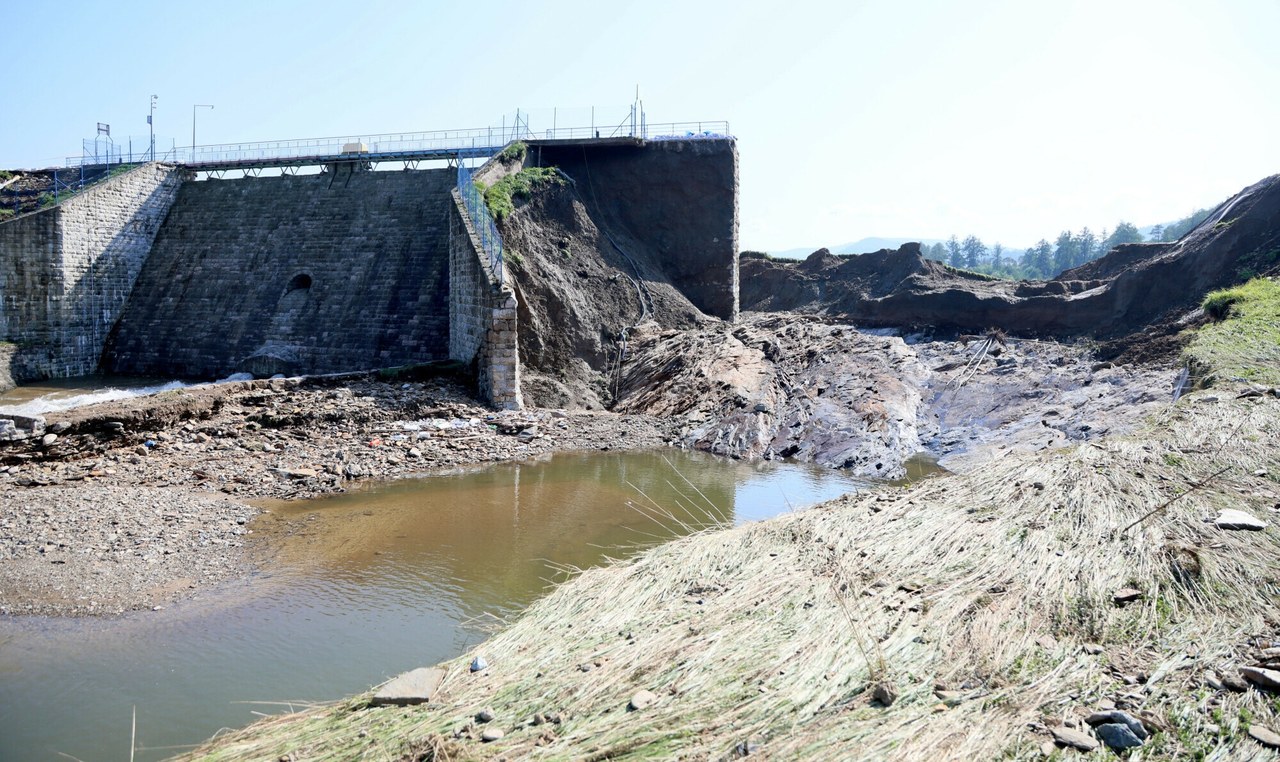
column 582, row 289
column 1129, row 291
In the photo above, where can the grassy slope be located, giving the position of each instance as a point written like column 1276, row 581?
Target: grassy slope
column 1248, row 345
column 986, row 584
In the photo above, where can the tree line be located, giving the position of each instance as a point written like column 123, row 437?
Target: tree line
column 1046, row 260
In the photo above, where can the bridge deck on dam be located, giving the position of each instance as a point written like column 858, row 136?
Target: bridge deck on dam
column 412, row 148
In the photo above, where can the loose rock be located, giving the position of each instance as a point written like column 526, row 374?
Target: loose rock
column 1074, row 738
column 1235, row 683
column 1118, row 736
column 1231, row 518
column 1266, row 678
column 1265, row 736
column 885, row 693
column 1118, row 717
column 1126, row 595
column 641, row 700
column 492, row 734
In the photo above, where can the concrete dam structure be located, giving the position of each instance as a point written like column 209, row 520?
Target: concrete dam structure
column 154, row 272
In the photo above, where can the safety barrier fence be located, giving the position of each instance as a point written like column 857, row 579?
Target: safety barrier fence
column 442, row 144
column 643, row 130
column 46, row 189
column 482, row 141
column 481, row 221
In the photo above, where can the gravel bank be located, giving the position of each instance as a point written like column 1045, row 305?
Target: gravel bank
column 138, row 503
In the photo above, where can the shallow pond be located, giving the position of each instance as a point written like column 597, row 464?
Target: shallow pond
column 364, row 585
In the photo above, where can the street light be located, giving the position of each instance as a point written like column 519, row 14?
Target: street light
column 151, row 126
column 193, row 128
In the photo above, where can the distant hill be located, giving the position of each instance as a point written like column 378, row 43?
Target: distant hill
column 863, row 246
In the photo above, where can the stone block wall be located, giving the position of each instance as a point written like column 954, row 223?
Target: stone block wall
column 67, row 271
column 679, row 197
column 6, row 361
column 482, row 315
column 294, row 274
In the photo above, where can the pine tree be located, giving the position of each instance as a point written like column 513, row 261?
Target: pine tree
column 1086, row 247
column 974, row 252
column 1043, row 259
column 1064, row 253
column 954, row 257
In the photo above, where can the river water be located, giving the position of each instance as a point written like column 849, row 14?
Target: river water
column 64, row 394
column 363, row 586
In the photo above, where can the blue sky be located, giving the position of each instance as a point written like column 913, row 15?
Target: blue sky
column 1009, row 120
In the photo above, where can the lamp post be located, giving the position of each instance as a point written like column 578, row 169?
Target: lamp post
column 152, row 128
column 193, row 128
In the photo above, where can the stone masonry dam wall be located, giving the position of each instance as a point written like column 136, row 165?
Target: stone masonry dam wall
column 293, row 274
column 67, row 271
column 154, row 273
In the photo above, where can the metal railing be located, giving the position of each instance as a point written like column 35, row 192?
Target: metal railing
column 627, row 129
column 468, row 143
column 483, row 141
column 481, row 221
column 60, row 185
column 132, row 149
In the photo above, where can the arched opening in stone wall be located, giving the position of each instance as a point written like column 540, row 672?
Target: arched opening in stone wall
column 300, row 281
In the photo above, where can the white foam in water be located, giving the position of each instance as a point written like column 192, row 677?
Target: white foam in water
column 52, row 403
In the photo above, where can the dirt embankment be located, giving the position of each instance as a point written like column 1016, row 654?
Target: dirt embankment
column 135, row 504
column 1121, row 294
column 582, row 284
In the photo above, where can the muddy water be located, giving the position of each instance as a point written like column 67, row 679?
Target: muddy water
column 365, row 585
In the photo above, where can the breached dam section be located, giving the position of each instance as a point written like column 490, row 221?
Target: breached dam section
column 177, row 271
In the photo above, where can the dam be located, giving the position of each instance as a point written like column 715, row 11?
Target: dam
column 176, row 269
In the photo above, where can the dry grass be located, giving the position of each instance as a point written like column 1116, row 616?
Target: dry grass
column 776, row 633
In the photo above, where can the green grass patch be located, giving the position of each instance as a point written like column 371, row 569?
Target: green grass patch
column 5, row 175
column 6, row 214
column 514, row 152
column 502, row 195
column 1245, row 342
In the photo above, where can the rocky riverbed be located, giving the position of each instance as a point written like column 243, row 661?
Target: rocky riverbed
column 134, row 504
